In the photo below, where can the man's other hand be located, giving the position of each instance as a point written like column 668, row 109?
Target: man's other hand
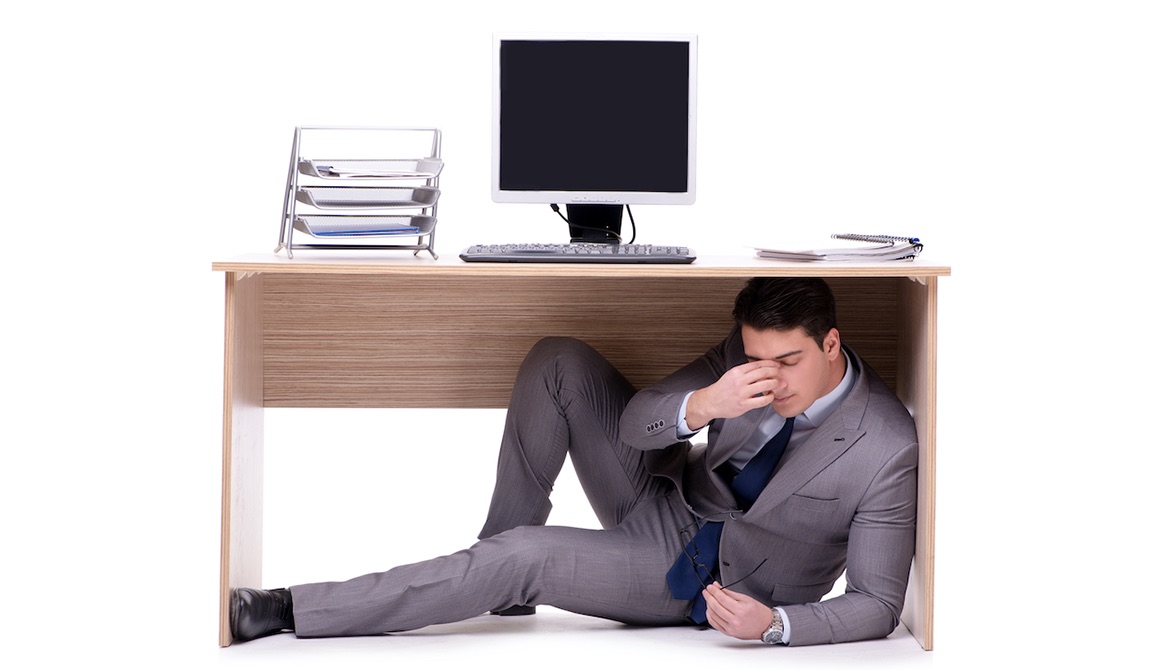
column 735, row 614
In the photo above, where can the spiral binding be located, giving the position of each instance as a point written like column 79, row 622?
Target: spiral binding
column 881, row 239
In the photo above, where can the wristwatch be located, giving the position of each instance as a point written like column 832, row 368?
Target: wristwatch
column 774, row 633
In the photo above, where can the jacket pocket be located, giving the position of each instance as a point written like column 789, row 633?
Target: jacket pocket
column 807, row 505
column 813, row 520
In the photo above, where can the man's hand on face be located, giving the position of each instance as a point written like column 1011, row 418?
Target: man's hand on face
column 740, row 389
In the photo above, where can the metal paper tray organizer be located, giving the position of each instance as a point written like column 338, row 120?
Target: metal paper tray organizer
column 362, row 203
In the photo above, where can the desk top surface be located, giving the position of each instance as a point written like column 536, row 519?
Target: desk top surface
column 391, row 263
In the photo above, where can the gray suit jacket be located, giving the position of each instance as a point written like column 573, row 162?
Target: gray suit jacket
column 845, row 498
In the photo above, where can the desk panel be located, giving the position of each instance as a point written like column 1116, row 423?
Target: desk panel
column 393, row 341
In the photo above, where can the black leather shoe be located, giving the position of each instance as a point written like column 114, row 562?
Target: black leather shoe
column 516, row 610
column 256, row 613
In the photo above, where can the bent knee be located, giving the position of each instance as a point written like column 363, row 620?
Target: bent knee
column 558, row 346
column 564, row 353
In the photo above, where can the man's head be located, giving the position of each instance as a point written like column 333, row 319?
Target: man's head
column 791, row 322
column 785, row 303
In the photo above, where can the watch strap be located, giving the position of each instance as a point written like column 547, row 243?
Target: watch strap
column 774, row 634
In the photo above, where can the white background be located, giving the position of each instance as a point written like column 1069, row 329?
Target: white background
column 1025, row 142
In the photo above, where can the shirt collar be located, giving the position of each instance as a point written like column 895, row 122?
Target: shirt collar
column 827, row 404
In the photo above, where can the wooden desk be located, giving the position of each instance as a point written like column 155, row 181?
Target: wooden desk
column 401, row 331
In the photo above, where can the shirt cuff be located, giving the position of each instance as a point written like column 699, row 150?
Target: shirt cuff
column 787, row 631
column 681, row 422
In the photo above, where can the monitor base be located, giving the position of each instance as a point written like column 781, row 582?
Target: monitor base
column 595, row 223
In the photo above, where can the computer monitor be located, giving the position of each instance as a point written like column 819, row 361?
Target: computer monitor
column 594, row 122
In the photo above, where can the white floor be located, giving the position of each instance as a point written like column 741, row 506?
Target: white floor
column 126, row 572
column 342, row 527
column 553, row 637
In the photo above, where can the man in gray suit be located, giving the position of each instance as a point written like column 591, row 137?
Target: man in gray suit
column 685, row 537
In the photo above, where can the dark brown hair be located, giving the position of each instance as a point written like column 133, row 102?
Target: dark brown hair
column 784, row 303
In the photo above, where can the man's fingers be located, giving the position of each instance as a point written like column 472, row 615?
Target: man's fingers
column 720, row 598
column 717, row 614
column 759, row 370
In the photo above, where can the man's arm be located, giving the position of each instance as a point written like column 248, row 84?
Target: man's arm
column 881, row 547
column 722, row 386
column 650, row 420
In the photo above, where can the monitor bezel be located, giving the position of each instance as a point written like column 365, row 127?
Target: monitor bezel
column 580, row 197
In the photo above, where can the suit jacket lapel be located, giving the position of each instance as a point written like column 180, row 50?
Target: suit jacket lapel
column 734, row 433
column 826, row 444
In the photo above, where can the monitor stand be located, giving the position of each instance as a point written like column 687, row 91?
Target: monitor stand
column 589, row 223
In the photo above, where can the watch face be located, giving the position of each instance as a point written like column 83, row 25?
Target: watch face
column 775, row 633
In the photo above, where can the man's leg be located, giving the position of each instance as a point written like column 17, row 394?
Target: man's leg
column 567, row 399
column 616, row 574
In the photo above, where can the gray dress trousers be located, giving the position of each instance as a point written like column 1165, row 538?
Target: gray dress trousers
column 567, row 400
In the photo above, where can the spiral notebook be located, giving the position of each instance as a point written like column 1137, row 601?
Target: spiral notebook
column 868, row 249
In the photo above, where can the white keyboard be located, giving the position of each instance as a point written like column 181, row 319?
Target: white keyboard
column 576, row 252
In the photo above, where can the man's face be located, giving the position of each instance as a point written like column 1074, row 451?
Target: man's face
column 805, row 372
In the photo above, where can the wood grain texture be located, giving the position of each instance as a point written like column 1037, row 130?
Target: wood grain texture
column 359, row 263
column 243, row 443
column 917, row 373
column 397, row 341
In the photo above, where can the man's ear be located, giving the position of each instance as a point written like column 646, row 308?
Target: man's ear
column 832, row 344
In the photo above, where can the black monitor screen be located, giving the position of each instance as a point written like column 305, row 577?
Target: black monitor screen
column 594, row 115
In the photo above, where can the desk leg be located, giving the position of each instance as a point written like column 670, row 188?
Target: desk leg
column 243, row 441
column 917, row 373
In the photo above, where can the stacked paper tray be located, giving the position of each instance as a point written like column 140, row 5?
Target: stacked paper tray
column 334, row 226
column 420, row 168
column 367, row 196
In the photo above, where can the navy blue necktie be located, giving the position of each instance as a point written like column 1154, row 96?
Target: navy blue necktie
column 694, row 568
